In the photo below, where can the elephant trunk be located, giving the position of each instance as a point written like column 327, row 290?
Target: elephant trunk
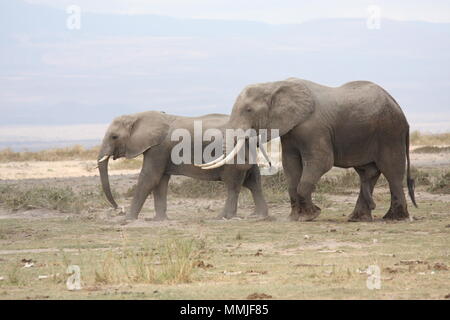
column 103, row 169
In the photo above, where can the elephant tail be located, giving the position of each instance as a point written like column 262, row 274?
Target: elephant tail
column 410, row 182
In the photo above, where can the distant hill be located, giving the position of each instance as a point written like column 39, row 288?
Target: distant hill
column 120, row 64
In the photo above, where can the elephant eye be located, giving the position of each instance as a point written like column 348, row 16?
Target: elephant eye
column 114, row 137
column 248, row 109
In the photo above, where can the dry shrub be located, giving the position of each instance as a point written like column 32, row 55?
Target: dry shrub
column 429, row 139
column 14, row 275
column 441, row 185
column 53, row 198
column 420, row 177
column 431, row 149
column 192, row 188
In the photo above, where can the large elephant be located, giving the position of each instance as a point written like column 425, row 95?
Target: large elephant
column 355, row 125
column 149, row 133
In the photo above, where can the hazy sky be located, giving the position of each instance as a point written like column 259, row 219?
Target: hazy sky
column 137, row 55
column 275, row 11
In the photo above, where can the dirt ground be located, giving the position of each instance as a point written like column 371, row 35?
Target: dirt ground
column 329, row 258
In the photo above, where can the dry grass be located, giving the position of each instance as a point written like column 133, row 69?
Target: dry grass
column 324, row 259
column 436, row 181
column 193, row 256
column 429, row 139
column 14, row 275
column 441, row 185
column 70, row 153
column 275, row 186
column 192, row 188
column 431, row 149
column 66, row 199
column 53, row 198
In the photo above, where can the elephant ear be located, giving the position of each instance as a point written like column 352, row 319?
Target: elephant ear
column 147, row 129
column 291, row 103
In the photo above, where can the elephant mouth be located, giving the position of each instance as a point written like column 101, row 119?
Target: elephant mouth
column 114, row 157
column 118, row 153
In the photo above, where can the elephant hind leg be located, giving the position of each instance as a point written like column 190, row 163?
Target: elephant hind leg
column 160, row 198
column 398, row 209
column 368, row 175
column 393, row 168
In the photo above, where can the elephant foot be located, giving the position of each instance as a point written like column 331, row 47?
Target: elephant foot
column 360, row 216
column 131, row 217
column 120, row 220
column 309, row 214
column 259, row 214
column 294, row 215
column 397, row 213
column 226, row 216
column 253, row 216
column 158, row 218
column 267, row 218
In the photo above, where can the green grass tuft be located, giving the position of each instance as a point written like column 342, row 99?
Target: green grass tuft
column 171, row 262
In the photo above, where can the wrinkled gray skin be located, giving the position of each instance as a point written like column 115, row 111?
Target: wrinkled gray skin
column 149, row 133
column 355, row 125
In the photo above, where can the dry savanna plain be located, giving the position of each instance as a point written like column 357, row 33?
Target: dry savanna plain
column 53, row 215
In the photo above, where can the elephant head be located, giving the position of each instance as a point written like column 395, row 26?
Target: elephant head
column 278, row 105
column 129, row 136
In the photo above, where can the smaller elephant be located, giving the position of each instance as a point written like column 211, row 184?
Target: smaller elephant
column 149, row 133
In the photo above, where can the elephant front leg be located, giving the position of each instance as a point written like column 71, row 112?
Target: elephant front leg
column 292, row 167
column 233, row 179
column 149, row 178
column 144, row 186
column 307, row 210
column 313, row 169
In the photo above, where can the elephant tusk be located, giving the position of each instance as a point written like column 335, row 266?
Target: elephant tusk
column 103, row 159
column 230, row 156
column 210, row 163
column 266, row 156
